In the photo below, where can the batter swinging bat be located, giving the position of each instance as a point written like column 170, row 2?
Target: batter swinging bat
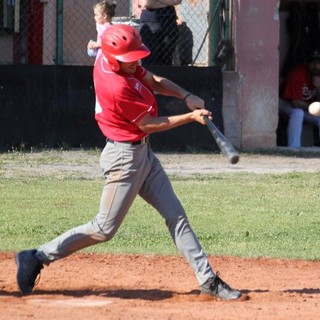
column 224, row 144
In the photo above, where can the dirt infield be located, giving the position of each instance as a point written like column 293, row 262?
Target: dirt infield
column 131, row 287
column 135, row 287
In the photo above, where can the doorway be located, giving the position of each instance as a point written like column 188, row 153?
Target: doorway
column 299, row 37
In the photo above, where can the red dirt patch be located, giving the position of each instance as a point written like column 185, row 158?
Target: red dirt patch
column 106, row 286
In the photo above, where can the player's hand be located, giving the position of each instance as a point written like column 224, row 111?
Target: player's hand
column 91, row 44
column 194, row 102
column 198, row 115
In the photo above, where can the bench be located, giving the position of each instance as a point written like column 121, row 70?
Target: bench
column 307, row 137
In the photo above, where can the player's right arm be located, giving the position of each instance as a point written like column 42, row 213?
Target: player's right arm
column 149, row 124
column 164, row 86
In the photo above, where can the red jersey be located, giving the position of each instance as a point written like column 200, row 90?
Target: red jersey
column 298, row 85
column 121, row 101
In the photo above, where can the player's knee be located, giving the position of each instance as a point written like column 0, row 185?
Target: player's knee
column 177, row 222
column 104, row 233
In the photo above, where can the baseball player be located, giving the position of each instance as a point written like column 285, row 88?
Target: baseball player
column 126, row 112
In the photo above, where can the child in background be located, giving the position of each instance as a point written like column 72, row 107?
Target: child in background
column 103, row 11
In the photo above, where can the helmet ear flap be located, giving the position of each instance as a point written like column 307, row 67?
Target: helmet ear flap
column 115, row 66
column 114, row 63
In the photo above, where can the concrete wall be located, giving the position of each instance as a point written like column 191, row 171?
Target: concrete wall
column 250, row 93
column 231, row 110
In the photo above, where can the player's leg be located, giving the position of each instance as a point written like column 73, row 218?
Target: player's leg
column 124, row 172
column 295, row 122
column 157, row 191
column 123, row 179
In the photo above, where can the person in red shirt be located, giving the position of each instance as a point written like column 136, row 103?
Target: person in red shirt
column 299, row 89
column 126, row 112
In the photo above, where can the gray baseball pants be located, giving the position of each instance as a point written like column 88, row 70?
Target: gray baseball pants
column 130, row 170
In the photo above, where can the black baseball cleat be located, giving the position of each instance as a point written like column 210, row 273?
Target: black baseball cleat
column 216, row 287
column 29, row 268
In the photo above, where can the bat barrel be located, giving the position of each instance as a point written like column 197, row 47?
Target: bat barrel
column 234, row 158
column 225, row 146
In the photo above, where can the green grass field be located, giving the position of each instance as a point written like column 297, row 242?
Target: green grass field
column 248, row 215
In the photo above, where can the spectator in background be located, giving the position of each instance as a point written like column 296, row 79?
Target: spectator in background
column 103, row 12
column 159, row 30
column 184, row 44
column 299, row 89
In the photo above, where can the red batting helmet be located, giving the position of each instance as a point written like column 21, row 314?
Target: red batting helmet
column 121, row 42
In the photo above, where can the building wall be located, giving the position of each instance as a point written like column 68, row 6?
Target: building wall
column 251, row 120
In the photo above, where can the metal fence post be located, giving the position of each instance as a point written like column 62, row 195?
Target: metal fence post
column 59, row 34
column 214, row 31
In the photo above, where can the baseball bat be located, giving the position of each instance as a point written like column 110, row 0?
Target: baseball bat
column 224, row 144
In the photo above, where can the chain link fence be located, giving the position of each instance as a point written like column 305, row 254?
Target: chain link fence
column 48, row 32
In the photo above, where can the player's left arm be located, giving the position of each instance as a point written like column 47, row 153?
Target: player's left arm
column 166, row 87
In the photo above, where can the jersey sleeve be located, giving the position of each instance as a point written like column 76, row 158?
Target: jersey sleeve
column 133, row 106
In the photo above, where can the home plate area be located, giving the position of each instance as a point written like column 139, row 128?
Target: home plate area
column 87, row 286
column 81, row 303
